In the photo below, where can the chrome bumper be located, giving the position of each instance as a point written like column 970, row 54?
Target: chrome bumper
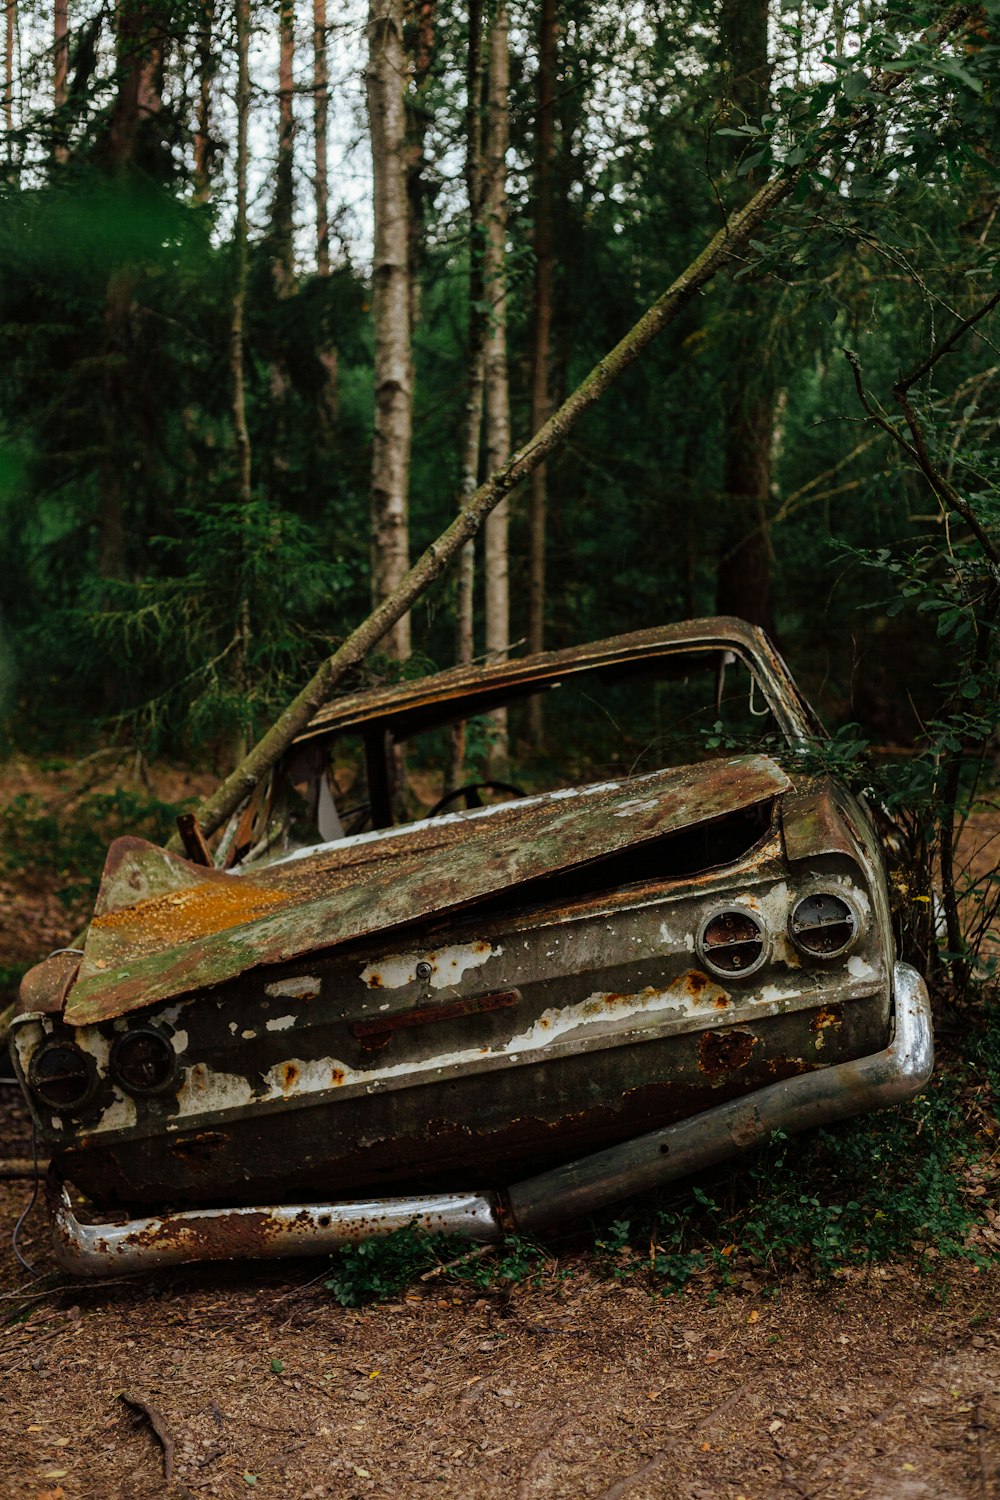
column 586, row 1186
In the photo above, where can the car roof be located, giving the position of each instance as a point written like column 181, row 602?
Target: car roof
column 427, row 700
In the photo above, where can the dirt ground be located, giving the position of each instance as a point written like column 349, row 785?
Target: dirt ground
column 886, row 1384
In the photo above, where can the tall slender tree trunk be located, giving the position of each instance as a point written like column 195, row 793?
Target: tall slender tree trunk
column 421, row 29
column 207, row 65
column 544, row 158
column 237, row 339
column 386, row 79
column 748, row 387
column 10, row 33
column 60, row 53
column 237, row 352
column 474, row 364
column 496, row 559
column 321, row 115
column 282, row 223
column 326, row 353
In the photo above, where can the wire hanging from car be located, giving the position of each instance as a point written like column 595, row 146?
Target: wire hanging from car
column 31, row 1203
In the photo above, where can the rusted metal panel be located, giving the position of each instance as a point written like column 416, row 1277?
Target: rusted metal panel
column 45, row 987
column 585, row 1185
column 468, row 688
column 211, row 926
column 269, row 1233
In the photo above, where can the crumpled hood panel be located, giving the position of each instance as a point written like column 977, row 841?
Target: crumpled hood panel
column 164, row 927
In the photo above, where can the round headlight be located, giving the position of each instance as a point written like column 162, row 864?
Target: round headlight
column 823, row 925
column 733, row 942
column 62, row 1075
column 143, row 1060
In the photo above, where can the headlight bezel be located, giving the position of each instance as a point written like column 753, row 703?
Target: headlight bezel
column 835, row 892
column 739, row 908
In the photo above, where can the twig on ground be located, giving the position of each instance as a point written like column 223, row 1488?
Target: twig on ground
column 158, row 1424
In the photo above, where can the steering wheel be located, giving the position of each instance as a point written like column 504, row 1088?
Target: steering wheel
column 470, row 791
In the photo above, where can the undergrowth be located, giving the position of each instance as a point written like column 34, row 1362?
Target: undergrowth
column 69, row 845
column 909, row 1183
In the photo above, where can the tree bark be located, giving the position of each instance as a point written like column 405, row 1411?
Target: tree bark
column 237, row 352
column 385, row 80
column 130, row 139
column 497, row 388
column 544, row 159
column 325, row 352
column 282, row 219
column 237, row 341
column 748, row 387
column 8, row 90
column 728, row 241
column 474, row 365
column 421, row 29
column 60, row 59
column 203, row 147
column 321, row 114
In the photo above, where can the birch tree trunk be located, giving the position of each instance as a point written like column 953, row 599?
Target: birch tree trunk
column 496, row 560
column 386, row 79
column 544, row 157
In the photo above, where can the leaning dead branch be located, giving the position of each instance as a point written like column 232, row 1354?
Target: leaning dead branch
column 729, row 242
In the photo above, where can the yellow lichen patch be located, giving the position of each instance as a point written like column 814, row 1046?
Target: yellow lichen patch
column 180, row 916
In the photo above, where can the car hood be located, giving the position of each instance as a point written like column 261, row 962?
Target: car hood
column 164, row 927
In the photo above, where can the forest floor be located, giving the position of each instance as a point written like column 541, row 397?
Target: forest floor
column 882, row 1383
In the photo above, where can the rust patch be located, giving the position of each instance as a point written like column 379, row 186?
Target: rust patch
column 289, row 1074
column 831, row 1016
column 336, row 1077
column 725, row 1051
column 377, row 1033
column 200, row 1147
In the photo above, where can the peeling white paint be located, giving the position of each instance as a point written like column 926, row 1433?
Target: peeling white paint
column 248, row 1035
column 305, row 987
column 447, row 965
column 280, row 1023
column 121, row 1114
column 636, row 805
column 859, row 968
column 202, row 1089
column 180, row 1041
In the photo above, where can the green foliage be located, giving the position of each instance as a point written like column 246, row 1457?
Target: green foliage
column 377, row 1269
column 873, row 1189
column 380, row 1268
column 72, row 843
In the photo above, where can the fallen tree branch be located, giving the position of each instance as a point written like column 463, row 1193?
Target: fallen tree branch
column 735, row 234
column 141, row 1409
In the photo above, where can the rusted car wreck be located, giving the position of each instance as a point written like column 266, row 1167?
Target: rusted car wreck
column 478, row 1008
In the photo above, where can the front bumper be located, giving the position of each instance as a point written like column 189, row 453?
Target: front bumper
column 588, row 1185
